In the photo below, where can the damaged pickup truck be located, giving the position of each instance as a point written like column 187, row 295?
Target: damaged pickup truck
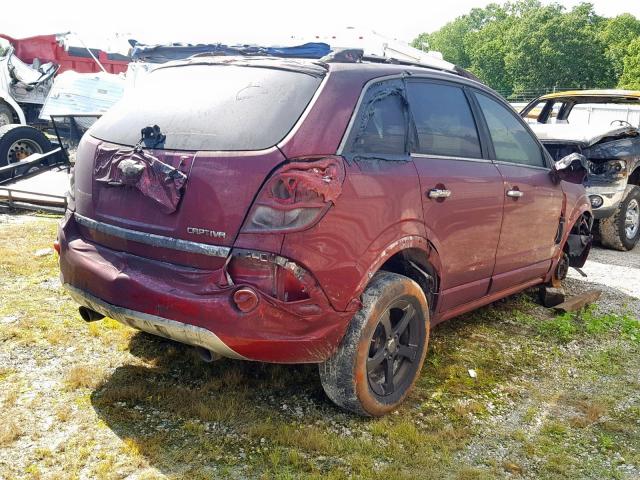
column 326, row 211
column 602, row 125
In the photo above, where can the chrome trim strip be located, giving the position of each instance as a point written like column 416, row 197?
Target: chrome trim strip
column 153, row 239
column 516, row 164
column 163, row 327
column 447, row 157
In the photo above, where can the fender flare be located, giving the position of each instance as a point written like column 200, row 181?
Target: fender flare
column 404, row 243
column 16, row 108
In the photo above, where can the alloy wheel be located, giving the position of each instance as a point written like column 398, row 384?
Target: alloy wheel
column 632, row 219
column 394, row 347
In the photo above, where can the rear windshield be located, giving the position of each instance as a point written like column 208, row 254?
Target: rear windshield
column 211, row 107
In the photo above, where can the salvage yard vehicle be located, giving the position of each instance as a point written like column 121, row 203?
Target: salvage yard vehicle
column 610, row 141
column 31, row 93
column 329, row 212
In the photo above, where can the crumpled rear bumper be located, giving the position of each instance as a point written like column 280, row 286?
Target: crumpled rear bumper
column 185, row 304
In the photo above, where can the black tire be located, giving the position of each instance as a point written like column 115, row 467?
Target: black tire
column 6, row 114
column 350, row 376
column 32, row 137
column 612, row 230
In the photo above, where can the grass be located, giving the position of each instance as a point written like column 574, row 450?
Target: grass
column 591, row 322
column 554, row 397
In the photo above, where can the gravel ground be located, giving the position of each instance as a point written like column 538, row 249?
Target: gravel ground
column 617, row 273
column 552, row 397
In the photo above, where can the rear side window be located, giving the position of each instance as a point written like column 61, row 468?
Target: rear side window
column 381, row 123
column 511, row 140
column 443, row 120
column 211, row 107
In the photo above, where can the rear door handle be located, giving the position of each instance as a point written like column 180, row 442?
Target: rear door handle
column 514, row 193
column 436, row 193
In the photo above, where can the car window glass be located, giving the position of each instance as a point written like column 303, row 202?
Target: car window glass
column 443, row 120
column 381, row 126
column 511, row 141
column 217, row 107
column 533, row 116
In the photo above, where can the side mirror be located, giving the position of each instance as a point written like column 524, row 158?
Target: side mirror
column 572, row 168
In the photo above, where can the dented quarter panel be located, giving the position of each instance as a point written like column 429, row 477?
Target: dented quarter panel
column 341, row 248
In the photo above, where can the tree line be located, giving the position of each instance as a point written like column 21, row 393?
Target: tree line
column 522, row 47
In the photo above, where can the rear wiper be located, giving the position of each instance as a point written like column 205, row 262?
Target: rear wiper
column 151, row 137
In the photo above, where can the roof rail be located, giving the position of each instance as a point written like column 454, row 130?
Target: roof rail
column 356, row 55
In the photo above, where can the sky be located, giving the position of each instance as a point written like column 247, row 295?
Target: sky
column 108, row 23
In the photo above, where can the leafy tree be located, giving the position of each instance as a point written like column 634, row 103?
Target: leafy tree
column 524, row 45
column 548, row 47
column 449, row 41
column 617, row 34
column 631, row 66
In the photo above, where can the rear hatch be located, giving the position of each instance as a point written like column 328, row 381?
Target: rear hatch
column 191, row 182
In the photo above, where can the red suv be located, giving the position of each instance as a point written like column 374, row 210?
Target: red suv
column 329, row 212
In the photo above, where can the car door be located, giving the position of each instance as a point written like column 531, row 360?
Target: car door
column 533, row 200
column 462, row 191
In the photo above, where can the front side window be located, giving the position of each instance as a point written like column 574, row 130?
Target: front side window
column 511, row 140
column 381, row 123
column 443, row 120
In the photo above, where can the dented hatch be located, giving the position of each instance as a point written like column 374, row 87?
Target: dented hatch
column 210, row 149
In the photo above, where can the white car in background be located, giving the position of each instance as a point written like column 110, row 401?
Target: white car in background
column 603, row 126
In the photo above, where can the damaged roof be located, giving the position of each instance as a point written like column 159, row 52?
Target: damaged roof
column 584, row 134
column 597, row 96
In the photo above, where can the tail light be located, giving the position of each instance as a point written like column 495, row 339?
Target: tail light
column 297, row 195
column 271, row 274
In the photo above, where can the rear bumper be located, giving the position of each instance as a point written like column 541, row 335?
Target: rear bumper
column 163, row 327
column 187, row 305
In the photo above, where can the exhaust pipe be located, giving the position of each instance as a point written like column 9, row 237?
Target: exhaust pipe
column 207, row 355
column 89, row 315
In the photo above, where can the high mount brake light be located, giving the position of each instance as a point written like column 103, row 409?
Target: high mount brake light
column 297, row 195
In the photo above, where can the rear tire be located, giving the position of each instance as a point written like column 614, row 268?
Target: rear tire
column 381, row 355
column 17, row 141
column 621, row 230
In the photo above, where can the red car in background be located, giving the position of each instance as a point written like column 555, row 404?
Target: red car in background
column 315, row 211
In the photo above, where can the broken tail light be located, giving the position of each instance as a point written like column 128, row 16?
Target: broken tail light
column 297, row 195
column 271, row 274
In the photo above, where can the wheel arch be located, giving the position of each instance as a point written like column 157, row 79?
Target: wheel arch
column 414, row 257
column 634, row 176
column 578, row 238
column 18, row 114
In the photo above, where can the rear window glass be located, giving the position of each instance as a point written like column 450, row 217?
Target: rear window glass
column 211, row 107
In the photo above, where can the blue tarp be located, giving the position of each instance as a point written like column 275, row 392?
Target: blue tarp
column 178, row 51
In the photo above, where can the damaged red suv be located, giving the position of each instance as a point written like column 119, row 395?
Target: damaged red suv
column 294, row 211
